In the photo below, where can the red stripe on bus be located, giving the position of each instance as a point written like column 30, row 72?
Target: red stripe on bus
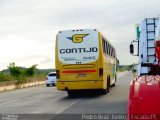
column 79, row 71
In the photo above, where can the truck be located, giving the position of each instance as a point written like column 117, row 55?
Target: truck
column 144, row 92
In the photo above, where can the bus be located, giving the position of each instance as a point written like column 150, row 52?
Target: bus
column 84, row 60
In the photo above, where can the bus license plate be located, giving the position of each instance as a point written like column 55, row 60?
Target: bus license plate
column 82, row 75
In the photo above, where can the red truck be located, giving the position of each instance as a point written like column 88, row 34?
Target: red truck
column 144, row 92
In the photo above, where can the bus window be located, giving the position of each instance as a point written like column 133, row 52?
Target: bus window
column 105, row 48
column 103, row 43
column 109, row 50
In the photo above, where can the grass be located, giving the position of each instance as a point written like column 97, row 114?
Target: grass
column 22, row 75
column 6, row 78
column 121, row 70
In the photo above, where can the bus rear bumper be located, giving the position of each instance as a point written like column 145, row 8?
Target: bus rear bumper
column 79, row 85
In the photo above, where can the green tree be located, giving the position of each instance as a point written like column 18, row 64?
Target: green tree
column 30, row 71
column 1, row 76
column 14, row 70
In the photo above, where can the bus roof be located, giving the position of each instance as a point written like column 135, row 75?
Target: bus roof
column 75, row 30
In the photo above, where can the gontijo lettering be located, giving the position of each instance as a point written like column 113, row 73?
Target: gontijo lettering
column 78, row 50
column 77, row 38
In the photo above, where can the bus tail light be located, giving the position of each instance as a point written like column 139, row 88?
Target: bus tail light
column 57, row 74
column 100, row 72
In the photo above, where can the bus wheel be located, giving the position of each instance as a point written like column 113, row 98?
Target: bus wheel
column 115, row 80
column 104, row 91
column 108, row 85
column 70, row 93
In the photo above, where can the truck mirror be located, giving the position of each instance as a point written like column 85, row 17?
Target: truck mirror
column 131, row 49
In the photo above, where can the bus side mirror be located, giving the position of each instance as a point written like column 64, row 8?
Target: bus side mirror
column 131, row 49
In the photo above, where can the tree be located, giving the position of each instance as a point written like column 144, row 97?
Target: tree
column 1, row 76
column 30, row 71
column 14, row 70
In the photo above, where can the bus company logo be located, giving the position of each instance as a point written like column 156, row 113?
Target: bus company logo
column 77, row 38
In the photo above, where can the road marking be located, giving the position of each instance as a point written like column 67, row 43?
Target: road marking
column 73, row 103
column 65, row 108
column 8, row 102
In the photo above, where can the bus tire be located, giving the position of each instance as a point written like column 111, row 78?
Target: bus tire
column 108, row 85
column 115, row 80
column 69, row 92
column 104, row 91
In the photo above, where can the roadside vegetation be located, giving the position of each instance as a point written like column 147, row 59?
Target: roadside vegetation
column 17, row 73
column 131, row 67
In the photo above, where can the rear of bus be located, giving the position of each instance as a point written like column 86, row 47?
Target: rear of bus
column 79, row 60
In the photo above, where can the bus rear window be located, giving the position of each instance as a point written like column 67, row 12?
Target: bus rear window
column 78, row 46
column 52, row 74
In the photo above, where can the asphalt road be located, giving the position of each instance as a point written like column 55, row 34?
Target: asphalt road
column 45, row 103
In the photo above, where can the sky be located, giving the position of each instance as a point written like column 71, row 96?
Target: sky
column 28, row 28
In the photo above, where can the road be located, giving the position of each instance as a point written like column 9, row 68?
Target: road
column 45, row 103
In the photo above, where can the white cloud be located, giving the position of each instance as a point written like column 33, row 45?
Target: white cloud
column 23, row 51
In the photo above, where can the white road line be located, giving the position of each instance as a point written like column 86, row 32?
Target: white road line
column 73, row 103
column 8, row 102
column 68, row 106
